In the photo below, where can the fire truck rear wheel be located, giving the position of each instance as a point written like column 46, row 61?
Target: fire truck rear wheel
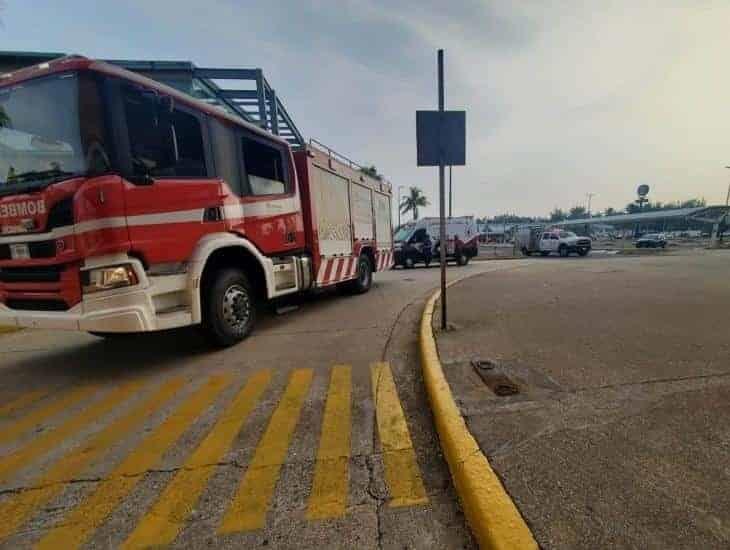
column 364, row 280
column 229, row 308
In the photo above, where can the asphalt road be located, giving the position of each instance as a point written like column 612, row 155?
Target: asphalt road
column 315, row 432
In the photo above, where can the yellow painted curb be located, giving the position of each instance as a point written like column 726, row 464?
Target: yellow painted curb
column 7, row 330
column 493, row 518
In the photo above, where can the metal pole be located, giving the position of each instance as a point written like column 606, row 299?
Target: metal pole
column 451, row 194
column 590, row 196
column 442, row 198
column 399, row 188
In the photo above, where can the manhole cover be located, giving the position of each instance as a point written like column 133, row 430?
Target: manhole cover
column 483, row 364
column 495, row 378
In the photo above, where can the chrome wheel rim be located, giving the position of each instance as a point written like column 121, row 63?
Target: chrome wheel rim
column 237, row 309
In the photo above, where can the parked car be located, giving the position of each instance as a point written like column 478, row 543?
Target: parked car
column 418, row 242
column 652, row 240
column 535, row 238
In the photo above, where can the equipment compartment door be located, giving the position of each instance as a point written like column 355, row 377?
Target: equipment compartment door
column 383, row 228
column 332, row 206
column 362, row 212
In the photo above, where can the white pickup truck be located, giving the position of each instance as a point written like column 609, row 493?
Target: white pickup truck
column 545, row 241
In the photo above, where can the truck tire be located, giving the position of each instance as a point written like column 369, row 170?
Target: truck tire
column 229, row 308
column 544, row 254
column 563, row 251
column 583, row 252
column 364, row 280
column 408, row 263
column 462, row 259
column 526, row 252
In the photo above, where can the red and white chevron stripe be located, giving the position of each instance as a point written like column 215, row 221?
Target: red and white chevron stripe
column 343, row 268
column 335, row 270
column 384, row 260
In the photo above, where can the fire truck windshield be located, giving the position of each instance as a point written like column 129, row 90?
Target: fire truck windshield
column 51, row 128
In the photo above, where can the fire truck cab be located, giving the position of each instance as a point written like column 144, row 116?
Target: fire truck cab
column 128, row 206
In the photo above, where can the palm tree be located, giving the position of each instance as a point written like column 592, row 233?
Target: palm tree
column 413, row 201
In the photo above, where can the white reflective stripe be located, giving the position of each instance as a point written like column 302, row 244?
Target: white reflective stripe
column 103, row 223
column 277, row 207
column 232, row 211
column 181, row 216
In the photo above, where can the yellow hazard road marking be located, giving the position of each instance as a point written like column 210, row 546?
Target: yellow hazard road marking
column 248, row 508
column 21, row 401
column 401, row 467
column 331, row 487
column 93, row 511
column 8, row 433
column 18, row 509
column 46, row 441
column 162, row 523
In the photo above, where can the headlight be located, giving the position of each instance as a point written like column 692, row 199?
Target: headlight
column 108, row 278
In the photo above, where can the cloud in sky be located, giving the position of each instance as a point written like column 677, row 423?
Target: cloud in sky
column 562, row 98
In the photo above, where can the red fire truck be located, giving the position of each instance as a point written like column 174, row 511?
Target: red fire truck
column 128, row 206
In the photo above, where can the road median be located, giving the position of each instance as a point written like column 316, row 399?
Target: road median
column 493, row 517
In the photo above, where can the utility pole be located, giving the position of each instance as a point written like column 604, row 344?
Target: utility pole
column 442, row 198
column 451, row 194
column 590, row 197
column 441, row 141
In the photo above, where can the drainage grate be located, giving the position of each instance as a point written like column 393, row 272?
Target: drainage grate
column 495, row 378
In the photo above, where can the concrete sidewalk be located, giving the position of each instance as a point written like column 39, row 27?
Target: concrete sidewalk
column 619, row 436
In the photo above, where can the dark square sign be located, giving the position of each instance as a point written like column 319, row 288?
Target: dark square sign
column 441, row 135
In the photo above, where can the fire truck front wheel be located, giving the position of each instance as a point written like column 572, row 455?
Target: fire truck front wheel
column 229, row 308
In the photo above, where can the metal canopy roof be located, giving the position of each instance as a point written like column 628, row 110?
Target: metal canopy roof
column 241, row 92
column 703, row 213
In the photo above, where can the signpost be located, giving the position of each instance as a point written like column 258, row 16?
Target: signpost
column 441, row 141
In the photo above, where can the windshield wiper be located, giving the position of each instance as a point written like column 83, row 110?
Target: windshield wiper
column 39, row 179
column 38, row 174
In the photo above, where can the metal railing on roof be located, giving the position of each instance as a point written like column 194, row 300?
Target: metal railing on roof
column 241, row 92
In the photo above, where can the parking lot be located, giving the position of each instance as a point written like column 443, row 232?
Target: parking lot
column 618, row 434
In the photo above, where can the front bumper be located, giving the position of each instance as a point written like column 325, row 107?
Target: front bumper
column 125, row 312
column 156, row 303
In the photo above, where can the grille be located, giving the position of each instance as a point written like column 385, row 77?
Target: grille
column 49, row 274
column 37, row 305
column 42, row 249
column 61, row 214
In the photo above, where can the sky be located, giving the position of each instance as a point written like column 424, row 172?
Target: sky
column 563, row 98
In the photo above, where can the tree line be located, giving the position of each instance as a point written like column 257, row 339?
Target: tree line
column 580, row 212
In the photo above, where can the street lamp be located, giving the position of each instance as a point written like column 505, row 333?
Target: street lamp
column 590, row 197
column 399, row 188
column 727, row 199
